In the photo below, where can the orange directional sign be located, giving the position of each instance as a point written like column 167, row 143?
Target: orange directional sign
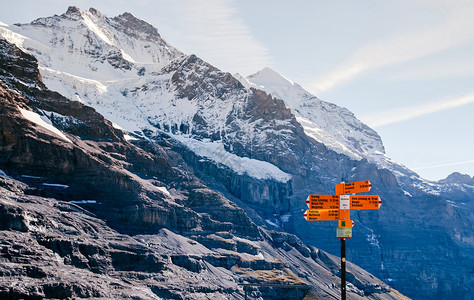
column 323, row 202
column 353, row 187
column 365, row 202
column 321, row 215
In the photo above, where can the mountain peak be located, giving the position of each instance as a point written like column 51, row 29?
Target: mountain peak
column 73, row 10
column 268, row 76
column 327, row 123
column 132, row 25
column 459, row 178
column 76, row 11
column 105, row 48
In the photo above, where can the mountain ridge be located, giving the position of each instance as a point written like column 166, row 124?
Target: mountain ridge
column 186, row 98
column 99, row 217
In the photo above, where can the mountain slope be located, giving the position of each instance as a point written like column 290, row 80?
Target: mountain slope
column 335, row 127
column 86, row 213
column 260, row 151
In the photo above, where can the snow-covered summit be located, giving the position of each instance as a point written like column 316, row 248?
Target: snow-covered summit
column 90, row 45
column 123, row 68
column 334, row 126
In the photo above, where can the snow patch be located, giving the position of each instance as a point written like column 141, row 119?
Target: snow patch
column 312, row 130
column 63, row 186
column 164, row 190
column 32, row 177
column 43, row 122
column 241, row 165
column 285, row 218
column 271, row 223
column 453, row 204
column 83, row 201
column 116, row 126
column 129, row 137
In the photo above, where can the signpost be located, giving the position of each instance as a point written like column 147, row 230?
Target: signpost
column 321, row 215
column 353, row 187
column 365, row 202
column 322, row 202
column 338, row 208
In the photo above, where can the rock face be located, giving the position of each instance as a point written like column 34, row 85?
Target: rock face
column 216, row 160
column 55, row 249
column 85, row 213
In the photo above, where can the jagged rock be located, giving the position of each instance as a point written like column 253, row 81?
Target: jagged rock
column 145, row 195
column 74, row 254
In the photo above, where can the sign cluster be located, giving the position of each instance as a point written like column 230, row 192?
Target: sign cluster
column 338, row 207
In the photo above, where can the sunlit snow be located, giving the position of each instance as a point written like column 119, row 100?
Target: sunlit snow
column 45, row 123
column 63, row 186
column 241, row 165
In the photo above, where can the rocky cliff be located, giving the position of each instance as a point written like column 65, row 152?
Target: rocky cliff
column 88, row 211
column 186, row 146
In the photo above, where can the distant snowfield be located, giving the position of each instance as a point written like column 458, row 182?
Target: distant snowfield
column 241, row 165
column 73, row 57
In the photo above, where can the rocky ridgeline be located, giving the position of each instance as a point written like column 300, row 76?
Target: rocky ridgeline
column 87, row 214
column 419, row 241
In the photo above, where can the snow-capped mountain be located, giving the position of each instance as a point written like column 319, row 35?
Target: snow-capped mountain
column 85, row 213
column 338, row 129
column 262, row 140
column 334, row 126
column 132, row 77
column 123, row 68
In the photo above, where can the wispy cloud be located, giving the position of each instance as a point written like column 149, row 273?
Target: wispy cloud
column 457, row 29
column 387, row 117
column 460, row 67
column 445, row 164
column 212, row 30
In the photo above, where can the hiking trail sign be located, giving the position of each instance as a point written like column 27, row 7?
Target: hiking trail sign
column 338, row 208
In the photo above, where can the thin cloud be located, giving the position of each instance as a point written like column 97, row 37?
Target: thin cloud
column 444, row 164
column 456, row 30
column 212, row 30
column 446, row 69
column 403, row 114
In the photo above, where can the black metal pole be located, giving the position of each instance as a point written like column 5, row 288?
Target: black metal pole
column 343, row 269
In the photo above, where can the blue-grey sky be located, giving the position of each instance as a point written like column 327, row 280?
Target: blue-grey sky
column 406, row 67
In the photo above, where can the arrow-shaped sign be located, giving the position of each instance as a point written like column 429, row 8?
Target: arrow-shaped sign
column 343, row 202
column 348, row 223
column 353, row 187
column 322, row 202
column 321, row 215
column 365, row 202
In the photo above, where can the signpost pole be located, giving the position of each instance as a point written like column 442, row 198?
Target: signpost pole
column 343, row 269
column 338, row 208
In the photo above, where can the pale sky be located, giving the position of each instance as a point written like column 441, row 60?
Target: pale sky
column 405, row 67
